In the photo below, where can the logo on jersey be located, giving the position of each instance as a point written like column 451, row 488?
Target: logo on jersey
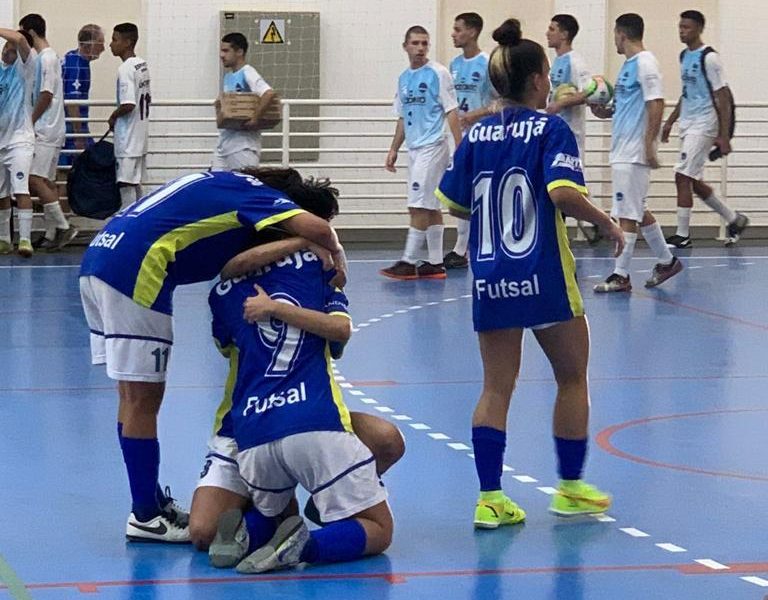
column 257, row 406
column 415, row 186
column 524, row 130
column 108, row 241
column 683, row 155
column 423, row 87
column 495, row 290
column 568, row 162
column 476, row 76
column 619, row 196
column 281, row 202
column 20, row 175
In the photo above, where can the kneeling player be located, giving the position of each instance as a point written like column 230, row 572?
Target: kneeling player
column 290, row 424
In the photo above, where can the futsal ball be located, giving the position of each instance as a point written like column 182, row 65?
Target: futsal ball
column 564, row 90
column 598, row 91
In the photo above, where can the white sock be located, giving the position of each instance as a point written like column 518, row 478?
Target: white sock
column 683, row 221
column 625, row 258
column 5, row 225
column 25, row 223
column 414, row 244
column 127, row 195
column 54, row 218
column 435, row 244
column 721, row 209
column 654, row 237
column 462, row 237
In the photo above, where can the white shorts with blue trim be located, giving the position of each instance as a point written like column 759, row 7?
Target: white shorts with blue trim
column 15, row 165
column 132, row 340
column 334, row 466
column 630, row 190
column 426, row 166
column 220, row 469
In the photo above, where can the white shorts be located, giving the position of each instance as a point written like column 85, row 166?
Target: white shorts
column 425, row 170
column 334, row 466
column 45, row 161
column 235, row 161
column 15, row 165
column 220, row 469
column 133, row 341
column 694, row 152
column 131, row 169
column 630, row 190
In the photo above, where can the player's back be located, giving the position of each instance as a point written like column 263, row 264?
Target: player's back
column 283, row 381
column 15, row 120
column 133, row 87
column 49, row 128
column 182, row 233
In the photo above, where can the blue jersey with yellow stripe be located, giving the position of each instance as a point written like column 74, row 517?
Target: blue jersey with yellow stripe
column 184, row 232
column 503, row 171
column 281, row 381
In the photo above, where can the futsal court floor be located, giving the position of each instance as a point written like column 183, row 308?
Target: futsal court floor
column 678, row 431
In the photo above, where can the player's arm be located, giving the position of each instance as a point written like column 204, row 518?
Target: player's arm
column 654, row 111
column 575, row 99
column 126, row 95
column 46, row 95
column 265, row 254
column 332, row 327
column 22, row 46
column 574, row 204
column 394, row 148
column 264, row 101
column 671, row 120
column 454, row 125
column 119, row 112
column 724, row 114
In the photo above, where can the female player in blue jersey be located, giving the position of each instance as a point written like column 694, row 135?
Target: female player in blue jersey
column 514, row 176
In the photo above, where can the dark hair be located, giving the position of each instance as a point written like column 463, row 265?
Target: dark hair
column 313, row 195
column 88, row 33
column 631, row 25
column 129, row 31
column 415, row 29
column 471, row 20
column 514, row 60
column 567, row 23
column 27, row 37
column 693, row 15
column 33, row 22
column 237, row 41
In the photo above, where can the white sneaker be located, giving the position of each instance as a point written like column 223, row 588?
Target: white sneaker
column 163, row 528
column 281, row 552
column 179, row 514
column 231, row 542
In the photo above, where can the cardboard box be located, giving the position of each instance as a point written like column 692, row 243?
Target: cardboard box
column 238, row 107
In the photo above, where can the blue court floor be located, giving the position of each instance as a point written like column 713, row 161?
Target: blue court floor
column 678, row 377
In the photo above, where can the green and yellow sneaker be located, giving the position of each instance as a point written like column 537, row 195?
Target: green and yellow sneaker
column 495, row 509
column 579, row 498
column 5, row 247
column 25, row 248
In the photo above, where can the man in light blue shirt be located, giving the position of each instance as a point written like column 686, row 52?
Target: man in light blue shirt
column 703, row 123
column 425, row 100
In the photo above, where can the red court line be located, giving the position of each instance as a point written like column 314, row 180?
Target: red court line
column 398, row 578
column 603, row 440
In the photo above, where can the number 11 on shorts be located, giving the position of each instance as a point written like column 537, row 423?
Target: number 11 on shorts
column 161, row 359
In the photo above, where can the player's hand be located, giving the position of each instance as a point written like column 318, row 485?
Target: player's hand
column 259, row 307
column 615, row 234
column 323, row 254
column 553, row 108
column 111, row 121
column 665, row 131
column 652, row 160
column 389, row 164
column 724, row 144
column 251, row 124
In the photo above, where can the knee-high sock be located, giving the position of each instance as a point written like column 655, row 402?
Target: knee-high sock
column 435, row 243
column 462, row 237
column 414, row 245
column 625, row 258
column 142, row 461
column 489, row 445
column 337, row 542
column 654, row 237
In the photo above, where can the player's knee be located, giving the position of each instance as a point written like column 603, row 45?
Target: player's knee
column 390, row 450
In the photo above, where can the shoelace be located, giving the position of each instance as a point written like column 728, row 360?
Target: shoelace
column 173, row 512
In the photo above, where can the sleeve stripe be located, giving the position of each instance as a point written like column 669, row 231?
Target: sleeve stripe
column 278, row 217
column 450, row 203
column 558, row 183
column 338, row 313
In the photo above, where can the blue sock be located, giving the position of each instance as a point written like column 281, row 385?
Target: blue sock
column 489, row 444
column 142, row 460
column 260, row 529
column 571, row 455
column 162, row 499
column 337, row 542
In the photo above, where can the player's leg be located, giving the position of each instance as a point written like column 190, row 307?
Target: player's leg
column 58, row 232
column 500, row 350
column 6, row 243
column 383, row 439
column 130, row 172
column 686, row 172
column 667, row 265
column 20, row 160
column 566, row 345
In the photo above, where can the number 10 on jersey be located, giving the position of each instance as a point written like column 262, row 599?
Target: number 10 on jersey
column 506, row 216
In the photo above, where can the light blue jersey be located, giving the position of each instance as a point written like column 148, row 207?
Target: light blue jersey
column 245, row 79
column 424, row 97
column 697, row 113
column 15, row 109
column 639, row 82
column 571, row 68
column 471, row 80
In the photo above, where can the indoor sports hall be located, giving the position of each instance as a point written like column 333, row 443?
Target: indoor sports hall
column 676, row 372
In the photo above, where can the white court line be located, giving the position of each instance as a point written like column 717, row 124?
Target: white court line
column 415, row 307
column 402, row 418
column 603, row 518
column 363, row 324
column 458, row 446
column 756, row 580
column 634, row 532
column 438, row 436
column 419, row 426
column 374, row 320
column 368, row 401
column 346, row 385
column 387, row 316
column 356, row 393
column 525, row 479
column 671, row 547
column 384, row 409
column 503, row 467
column 711, row 564
column 548, row 490
column 339, row 377
column 401, row 311
column 694, row 267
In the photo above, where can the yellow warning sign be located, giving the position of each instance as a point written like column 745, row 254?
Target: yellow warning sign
column 273, row 31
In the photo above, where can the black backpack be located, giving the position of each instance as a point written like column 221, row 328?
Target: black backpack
column 92, row 182
column 715, row 153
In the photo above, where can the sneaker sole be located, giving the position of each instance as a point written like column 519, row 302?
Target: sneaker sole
column 224, row 551
column 266, row 558
column 486, row 525
column 566, row 514
column 435, row 276
column 399, row 277
column 597, row 291
column 149, row 540
column 69, row 238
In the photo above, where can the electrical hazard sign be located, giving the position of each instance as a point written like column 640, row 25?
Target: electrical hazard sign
column 272, row 31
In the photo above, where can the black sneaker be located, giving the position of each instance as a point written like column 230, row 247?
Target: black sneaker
column 738, row 225
column 454, row 260
column 400, row 270
column 678, row 241
column 427, row 270
column 614, row 283
column 662, row 272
